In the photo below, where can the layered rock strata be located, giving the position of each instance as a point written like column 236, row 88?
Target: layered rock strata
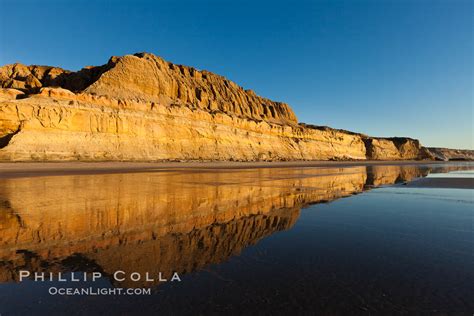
column 142, row 108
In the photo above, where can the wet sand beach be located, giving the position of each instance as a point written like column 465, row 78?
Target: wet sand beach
column 32, row 169
column 339, row 238
column 444, row 183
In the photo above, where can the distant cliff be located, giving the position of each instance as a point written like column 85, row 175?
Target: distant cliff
column 446, row 154
column 142, row 108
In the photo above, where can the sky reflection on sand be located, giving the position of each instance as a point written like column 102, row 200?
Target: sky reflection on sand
column 241, row 240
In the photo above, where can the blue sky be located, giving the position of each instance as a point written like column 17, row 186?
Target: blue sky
column 384, row 68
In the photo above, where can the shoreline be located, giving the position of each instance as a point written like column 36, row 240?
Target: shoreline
column 35, row 169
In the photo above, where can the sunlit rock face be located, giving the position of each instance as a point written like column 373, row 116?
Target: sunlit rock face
column 143, row 108
column 165, row 221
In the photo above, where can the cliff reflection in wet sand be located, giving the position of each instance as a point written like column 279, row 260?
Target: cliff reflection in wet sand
column 165, row 221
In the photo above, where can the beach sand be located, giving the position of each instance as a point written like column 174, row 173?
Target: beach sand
column 443, row 183
column 32, row 169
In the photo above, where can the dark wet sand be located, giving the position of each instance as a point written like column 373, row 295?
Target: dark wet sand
column 32, row 169
column 240, row 237
column 443, row 183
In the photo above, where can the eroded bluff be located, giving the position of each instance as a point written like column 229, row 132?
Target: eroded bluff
column 143, row 108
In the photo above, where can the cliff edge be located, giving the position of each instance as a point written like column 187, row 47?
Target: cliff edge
column 143, row 108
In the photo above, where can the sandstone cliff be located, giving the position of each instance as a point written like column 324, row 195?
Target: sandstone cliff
column 447, row 154
column 142, row 108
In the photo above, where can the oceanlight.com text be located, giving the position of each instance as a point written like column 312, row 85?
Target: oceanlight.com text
column 69, row 291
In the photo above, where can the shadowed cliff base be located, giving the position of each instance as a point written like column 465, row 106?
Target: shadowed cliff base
column 142, row 108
